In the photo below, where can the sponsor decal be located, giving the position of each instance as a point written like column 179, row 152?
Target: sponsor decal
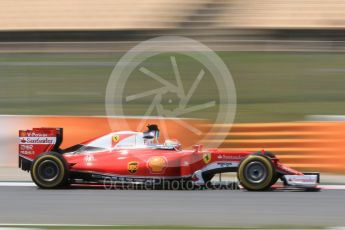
column 206, row 157
column 157, row 164
column 217, row 165
column 115, row 139
column 224, row 164
column 26, row 147
column 133, row 167
column 27, row 152
column 89, row 158
column 22, row 134
column 37, row 140
column 229, row 157
column 305, row 180
column 32, row 134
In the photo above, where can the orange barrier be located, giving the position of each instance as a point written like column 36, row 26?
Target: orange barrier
column 310, row 146
column 81, row 128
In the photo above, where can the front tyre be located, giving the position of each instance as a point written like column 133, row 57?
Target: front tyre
column 50, row 171
column 256, row 173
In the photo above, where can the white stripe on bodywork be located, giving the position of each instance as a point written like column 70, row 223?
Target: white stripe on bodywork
column 213, row 166
column 220, row 165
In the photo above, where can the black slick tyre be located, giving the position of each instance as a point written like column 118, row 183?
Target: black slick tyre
column 256, row 173
column 50, row 171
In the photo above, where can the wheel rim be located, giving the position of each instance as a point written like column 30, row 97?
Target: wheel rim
column 48, row 170
column 255, row 172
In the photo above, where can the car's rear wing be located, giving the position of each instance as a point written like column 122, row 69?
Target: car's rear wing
column 36, row 141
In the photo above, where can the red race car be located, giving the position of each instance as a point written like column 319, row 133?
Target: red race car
column 129, row 157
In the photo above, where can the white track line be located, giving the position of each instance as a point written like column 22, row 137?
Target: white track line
column 332, row 187
column 17, row 184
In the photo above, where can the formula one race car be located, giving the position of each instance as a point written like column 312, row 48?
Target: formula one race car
column 137, row 157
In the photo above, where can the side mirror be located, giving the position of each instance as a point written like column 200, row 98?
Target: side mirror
column 197, row 148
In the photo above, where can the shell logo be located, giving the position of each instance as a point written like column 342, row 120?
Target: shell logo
column 157, row 164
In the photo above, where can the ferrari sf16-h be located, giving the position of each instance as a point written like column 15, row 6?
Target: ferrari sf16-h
column 138, row 157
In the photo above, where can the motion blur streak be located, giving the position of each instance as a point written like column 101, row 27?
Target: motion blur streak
column 78, row 129
column 303, row 145
column 287, row 62
column 311, row 146
column 169, row 14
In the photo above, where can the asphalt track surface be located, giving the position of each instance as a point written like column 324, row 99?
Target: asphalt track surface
column 29, row 205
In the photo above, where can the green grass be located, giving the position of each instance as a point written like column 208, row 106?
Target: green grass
column 271, row 86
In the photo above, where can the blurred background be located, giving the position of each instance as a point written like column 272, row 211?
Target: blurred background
column 286, row 58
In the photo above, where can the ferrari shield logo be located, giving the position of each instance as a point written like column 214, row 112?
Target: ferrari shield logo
column 116, row 138
column 206, row 157
column 133, row 167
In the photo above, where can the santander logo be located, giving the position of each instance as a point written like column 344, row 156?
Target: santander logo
column 37, row 140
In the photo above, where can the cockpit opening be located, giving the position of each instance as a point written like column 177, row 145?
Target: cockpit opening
column 127, row 139
column 152, row 134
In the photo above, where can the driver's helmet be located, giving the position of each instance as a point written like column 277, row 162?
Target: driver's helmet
column 151, row 133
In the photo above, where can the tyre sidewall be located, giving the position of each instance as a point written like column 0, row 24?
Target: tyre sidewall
column 266, row 183
column 61, row 179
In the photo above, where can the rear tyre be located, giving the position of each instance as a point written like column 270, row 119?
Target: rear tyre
column 256, row 173
column 50, row 171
